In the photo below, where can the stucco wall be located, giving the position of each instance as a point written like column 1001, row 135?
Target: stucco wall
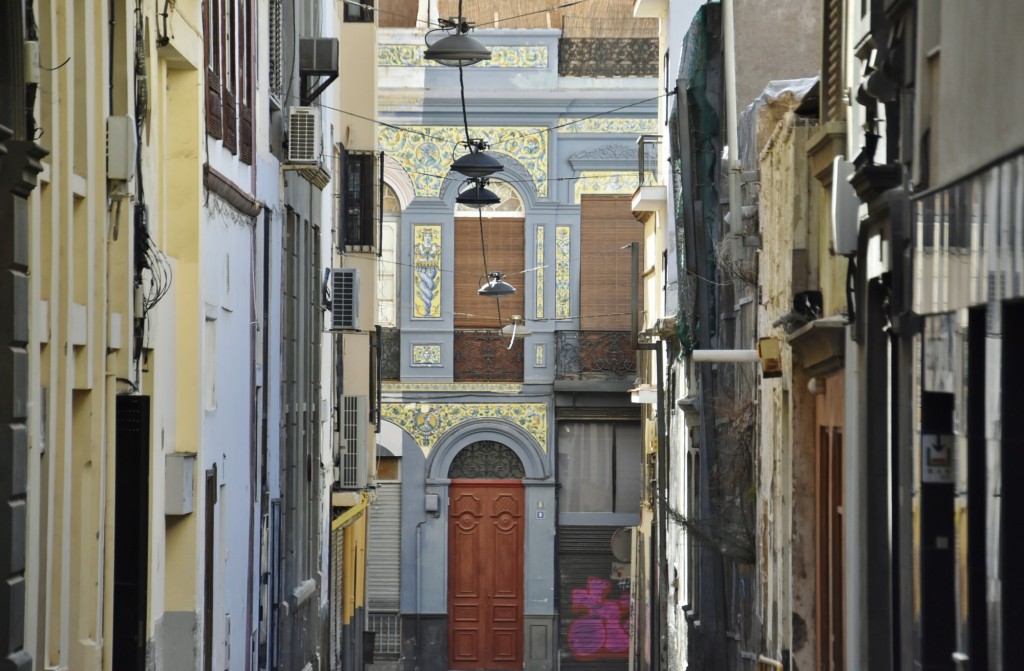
column 980, row 99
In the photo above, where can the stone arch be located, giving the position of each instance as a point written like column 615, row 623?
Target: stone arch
column 398, row 179
column 518, row 440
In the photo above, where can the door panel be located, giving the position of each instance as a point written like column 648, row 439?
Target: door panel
column 485, row 573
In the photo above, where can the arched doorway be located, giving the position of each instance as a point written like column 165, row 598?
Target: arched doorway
column 486, row 533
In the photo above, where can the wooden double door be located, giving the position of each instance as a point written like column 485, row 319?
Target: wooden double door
column 486, row 532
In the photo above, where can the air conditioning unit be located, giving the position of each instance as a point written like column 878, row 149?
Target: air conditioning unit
column 318, row 56
column 344, row 299
column 304, row 135
column 350, row 453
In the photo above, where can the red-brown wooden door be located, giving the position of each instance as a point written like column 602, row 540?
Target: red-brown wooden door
column 485, row 574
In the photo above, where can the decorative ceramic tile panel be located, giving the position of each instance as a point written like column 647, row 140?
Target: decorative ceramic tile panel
column 538, row 356
column 425, row 152
column 539, row 278
column 605, row 125
column 427, row 423
column 562, row 272
column 426, row 355
column 515, row 56
column 488, row 387
column 607, row 182
column 426, row 262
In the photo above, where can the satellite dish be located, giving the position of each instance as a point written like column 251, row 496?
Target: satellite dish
column 622, row 544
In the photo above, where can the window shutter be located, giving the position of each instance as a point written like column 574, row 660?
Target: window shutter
column 247, row 56
column 214, row 121
column 340, row 223
column 230, row 121
column 276, row 48
column 607, row 225
column 504, row 240
column 832, row 94
column 369, row 201
column 358, row 202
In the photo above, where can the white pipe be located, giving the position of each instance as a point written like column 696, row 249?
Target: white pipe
column 729, row 28
column 726, row 355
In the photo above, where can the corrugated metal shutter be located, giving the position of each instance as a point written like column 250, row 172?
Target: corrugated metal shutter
column 593, row 606
column 337, row 594
column 383, row 570
column 383, row 560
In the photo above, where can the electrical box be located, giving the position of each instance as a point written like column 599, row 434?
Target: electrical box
column 845, row 208
column 179, row 483
column 121, row 146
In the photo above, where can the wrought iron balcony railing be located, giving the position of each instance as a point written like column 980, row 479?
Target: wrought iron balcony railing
column 483, row 356
column 594, row 355
column 390, row 354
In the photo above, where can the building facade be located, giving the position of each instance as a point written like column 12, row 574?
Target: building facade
column 172, row 462
column 519, row 457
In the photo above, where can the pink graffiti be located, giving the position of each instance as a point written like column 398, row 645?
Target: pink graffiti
column 602, row 630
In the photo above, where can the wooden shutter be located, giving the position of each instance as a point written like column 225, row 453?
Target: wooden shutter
column 832, row 81
column 247, row 53
column 607, row 228
column 229, row 75
column 212, row 52
column 504, row 240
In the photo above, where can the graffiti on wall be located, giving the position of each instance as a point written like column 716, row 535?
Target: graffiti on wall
column 600, row 628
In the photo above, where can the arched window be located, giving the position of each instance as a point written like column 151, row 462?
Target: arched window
column 511, row 204
column 387, row 277
column 487, row 459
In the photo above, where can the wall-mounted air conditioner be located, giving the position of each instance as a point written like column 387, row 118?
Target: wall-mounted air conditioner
column 344, row 290
column 350, row 452
column 318, row 56
column 304, row 135
column 845, row 208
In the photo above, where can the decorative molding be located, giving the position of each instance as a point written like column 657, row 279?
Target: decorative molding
column 21, row 166
column 517, row 56
column 609, row 152
column 428, row 423
column 424, row 152
column 608, row 125
column 608, row 57
column 426, row 261
column 606, row 182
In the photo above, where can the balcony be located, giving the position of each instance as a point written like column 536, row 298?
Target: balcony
column 595, row 355
column 483, row 356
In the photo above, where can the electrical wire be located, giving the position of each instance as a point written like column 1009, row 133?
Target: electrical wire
column 538, row 11
column 413, row 130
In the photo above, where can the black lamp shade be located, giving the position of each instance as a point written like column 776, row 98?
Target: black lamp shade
column 456, row 50
column 477, row 196
column 496, row 287
column 477, row 164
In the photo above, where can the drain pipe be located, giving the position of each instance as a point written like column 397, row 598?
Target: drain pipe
column 419, row 593
column 729, row 56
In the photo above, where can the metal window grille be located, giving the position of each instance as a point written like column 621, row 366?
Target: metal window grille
column 388, row 641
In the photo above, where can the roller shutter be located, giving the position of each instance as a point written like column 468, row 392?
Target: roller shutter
column 593, row 606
